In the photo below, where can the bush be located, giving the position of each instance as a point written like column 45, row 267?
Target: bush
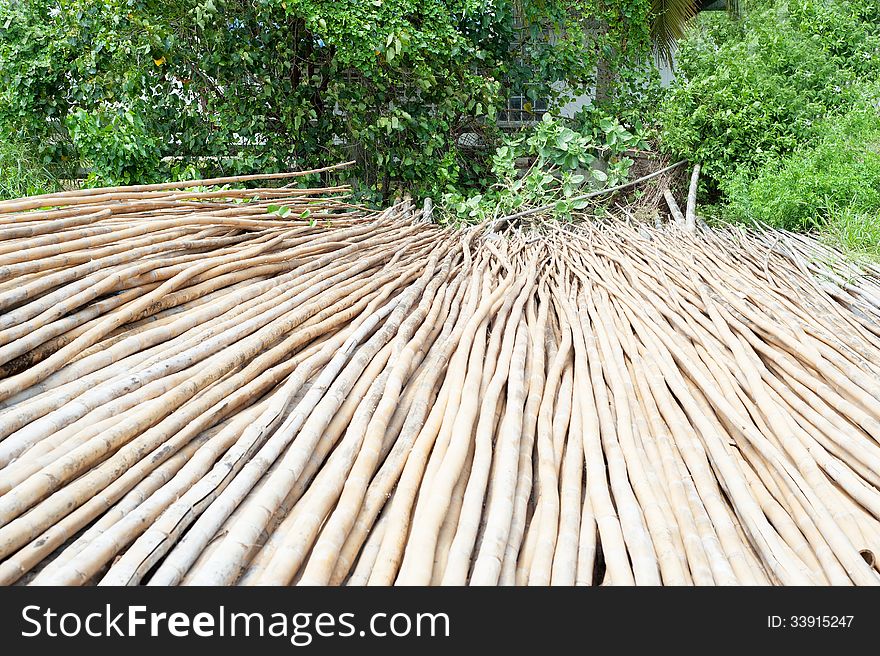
column 832, row 186
column 565, row 162
column 115, row 145
column 750, row 92
column 237, row 86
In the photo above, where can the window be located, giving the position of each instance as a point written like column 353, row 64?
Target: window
column 522, row 109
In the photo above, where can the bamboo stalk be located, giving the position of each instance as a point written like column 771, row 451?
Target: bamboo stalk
column 195, row 391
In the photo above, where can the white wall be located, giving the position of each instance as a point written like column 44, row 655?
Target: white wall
column 667, row 75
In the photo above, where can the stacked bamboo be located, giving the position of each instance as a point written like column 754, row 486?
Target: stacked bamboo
column 197, row 391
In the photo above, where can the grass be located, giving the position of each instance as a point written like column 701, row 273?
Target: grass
column 20, row 173
column 856, row 233
column 831, row 187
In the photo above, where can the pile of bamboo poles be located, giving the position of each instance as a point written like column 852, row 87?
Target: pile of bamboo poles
column 194, row 390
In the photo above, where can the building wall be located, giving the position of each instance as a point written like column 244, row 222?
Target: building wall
column 667, row 75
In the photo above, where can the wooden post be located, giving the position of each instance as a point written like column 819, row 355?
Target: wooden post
column 674, row 209
column 691, row 211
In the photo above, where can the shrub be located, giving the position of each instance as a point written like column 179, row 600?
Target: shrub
column 115, row 145
column 749, row 93
column 260, row 85
column 565, row 162
column 832, row 185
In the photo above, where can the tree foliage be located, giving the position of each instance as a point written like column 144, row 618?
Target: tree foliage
column 751, row 91
column 783, row 111
column 133, row 90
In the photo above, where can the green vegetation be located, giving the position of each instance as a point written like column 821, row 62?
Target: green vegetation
column 781, row 109
column 832, row 186
column 562, row 165
column 778, row 100
column 137, row 91
column 20, row 174
column 751, row 90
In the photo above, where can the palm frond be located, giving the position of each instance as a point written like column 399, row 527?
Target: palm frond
column 670, row 20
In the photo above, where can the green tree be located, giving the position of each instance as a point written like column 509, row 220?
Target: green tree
column 133, row 90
